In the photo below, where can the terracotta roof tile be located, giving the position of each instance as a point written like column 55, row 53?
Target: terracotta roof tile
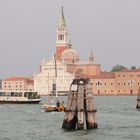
column 18, row 79
column 103, row 75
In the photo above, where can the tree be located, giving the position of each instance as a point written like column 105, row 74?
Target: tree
column 118, row 68
column 133, row 68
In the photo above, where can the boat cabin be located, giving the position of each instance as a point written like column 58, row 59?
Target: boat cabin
column 19, row 97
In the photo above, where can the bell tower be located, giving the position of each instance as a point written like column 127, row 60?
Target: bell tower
column 62, row 40
column 91, row 57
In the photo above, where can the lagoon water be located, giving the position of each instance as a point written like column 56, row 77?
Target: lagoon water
column 117, row 119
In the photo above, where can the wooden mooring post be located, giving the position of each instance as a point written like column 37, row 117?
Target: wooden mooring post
column 138, row 99
column 80, row 107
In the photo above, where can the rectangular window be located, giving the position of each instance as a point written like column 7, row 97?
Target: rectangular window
column 61, row 37
column 20, row 94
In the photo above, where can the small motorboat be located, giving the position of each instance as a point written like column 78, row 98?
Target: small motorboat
column 53, row 108
column 57, row 107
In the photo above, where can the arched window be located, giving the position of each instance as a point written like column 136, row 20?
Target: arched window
column 98, row 83
column 119, row 83
column 111, row 83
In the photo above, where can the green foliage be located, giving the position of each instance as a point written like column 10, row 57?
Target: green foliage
column 118, row 68
column 133, row 67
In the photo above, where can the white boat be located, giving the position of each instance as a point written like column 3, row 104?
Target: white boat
column 19, row 97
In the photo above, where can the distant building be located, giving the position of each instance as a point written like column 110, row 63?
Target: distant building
column 65, row 52
column 68, row 63
column 125, row 82
column 18, row 84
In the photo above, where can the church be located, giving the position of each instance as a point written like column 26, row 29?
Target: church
column 56, row 74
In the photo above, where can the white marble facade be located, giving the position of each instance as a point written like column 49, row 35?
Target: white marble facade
column 43, row 81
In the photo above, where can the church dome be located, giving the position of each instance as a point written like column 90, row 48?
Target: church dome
column 70, row 55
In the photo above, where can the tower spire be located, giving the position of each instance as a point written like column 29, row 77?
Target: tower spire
column 62, row 22
column 91, row 57
column 62, row 40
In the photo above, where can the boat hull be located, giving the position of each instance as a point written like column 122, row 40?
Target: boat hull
column 49, row 108
column 20, row 102
column 19, row 97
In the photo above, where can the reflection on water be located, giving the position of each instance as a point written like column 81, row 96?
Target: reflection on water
column 117, row 119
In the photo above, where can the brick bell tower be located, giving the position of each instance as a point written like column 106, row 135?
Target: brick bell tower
column 62, row 41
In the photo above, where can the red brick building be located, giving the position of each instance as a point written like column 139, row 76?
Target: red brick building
column 116, row 83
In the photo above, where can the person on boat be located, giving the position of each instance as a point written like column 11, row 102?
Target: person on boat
column 58, row 103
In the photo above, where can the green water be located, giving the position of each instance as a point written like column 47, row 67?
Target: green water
column 117, row 119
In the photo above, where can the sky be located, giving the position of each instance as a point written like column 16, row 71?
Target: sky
column 111, row 28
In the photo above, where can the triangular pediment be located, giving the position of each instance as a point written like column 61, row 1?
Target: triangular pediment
column 52, row 62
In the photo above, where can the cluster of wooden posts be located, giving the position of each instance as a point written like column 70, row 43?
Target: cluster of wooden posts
column 80, row 106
